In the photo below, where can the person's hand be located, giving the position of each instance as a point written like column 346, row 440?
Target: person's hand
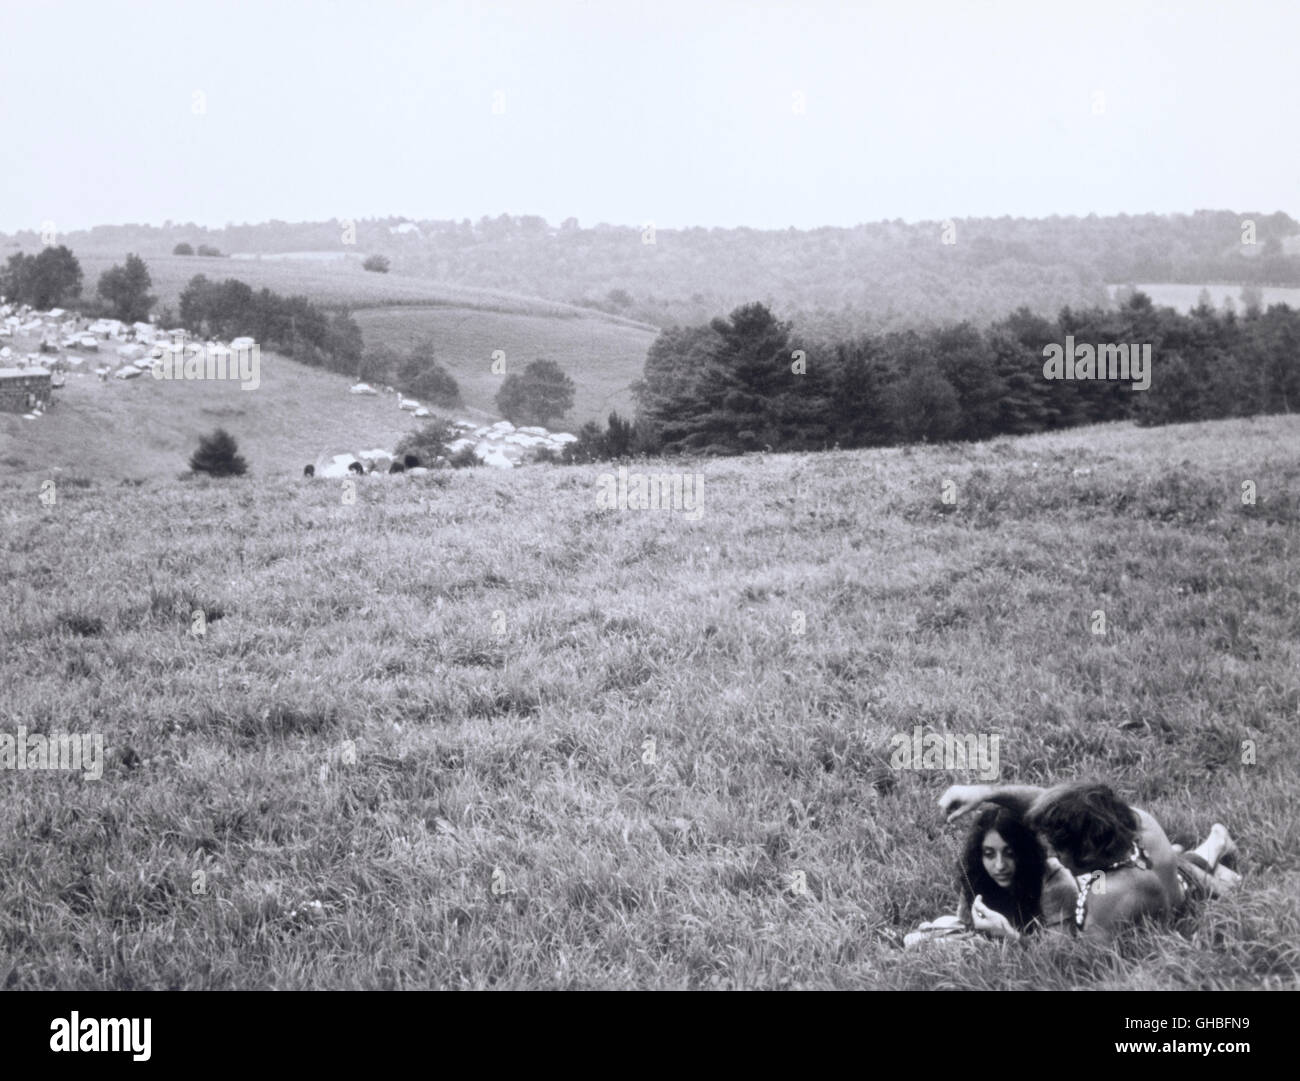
column 958, row 799
column 990, row 922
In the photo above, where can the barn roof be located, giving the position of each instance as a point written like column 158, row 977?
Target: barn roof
column 25, row 373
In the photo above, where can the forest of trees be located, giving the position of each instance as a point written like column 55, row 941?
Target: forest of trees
column 748, row 382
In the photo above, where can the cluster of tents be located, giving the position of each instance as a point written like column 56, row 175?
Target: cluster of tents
column 123, row 350
column 500, row 445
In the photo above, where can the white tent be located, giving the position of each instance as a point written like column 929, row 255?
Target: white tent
column 336, row 467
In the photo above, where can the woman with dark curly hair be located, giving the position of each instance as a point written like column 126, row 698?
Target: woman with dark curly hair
column 1008, row 887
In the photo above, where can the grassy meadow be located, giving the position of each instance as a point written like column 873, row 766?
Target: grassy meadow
column 148, row 428
column 330, row 283
column 411, row 748
column 602, row 357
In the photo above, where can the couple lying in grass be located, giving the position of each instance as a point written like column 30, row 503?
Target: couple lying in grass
column 1074, row 859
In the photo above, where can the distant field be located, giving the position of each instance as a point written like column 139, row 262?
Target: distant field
column 327, row 282
column 603, row 354
column 1184, row 298
column 474, row 731
column 602, row 358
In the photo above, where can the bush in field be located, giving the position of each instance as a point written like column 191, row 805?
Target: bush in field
column 595, row 444
column 428, row 441
column 209, row 250
column 183, row 249
column 218, row 456
column 465, row 458
column 377, row 263
column 421, row 376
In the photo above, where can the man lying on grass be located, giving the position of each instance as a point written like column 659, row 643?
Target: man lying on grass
column 1125, row 865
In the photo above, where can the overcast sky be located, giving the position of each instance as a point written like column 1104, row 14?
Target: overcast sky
column 680, row 113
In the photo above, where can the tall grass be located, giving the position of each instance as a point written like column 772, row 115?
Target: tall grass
column 414, row 748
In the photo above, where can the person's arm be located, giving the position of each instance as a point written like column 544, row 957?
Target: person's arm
column 1059, row 897
column 958, row 799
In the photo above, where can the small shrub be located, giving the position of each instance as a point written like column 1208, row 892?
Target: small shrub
column 425, row 443
column 378, row 263
column 218, row 456
column 465, row 458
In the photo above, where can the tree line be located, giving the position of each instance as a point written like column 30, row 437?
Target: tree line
column 292, row 325
column 748, row 382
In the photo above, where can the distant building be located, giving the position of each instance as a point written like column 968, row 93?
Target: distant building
column 22, row 390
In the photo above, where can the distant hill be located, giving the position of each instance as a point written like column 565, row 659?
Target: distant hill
column 331, row 283
column 874, row 276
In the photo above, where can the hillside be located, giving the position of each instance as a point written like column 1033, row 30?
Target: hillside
column 474, row 731
column 147, row 428
column 338, row 283
column 602, row 357
column 143, row 427
column 873, row 276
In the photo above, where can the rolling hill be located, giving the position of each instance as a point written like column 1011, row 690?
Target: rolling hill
column 331, row 283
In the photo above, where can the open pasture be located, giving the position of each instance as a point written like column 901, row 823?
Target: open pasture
column 474, row 731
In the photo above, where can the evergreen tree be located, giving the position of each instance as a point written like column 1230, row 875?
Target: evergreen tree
column 967, row 363
column 218, row 456
column 860, row 407
column 669, row 396
column 747, row 374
